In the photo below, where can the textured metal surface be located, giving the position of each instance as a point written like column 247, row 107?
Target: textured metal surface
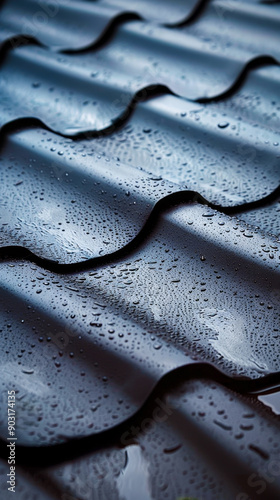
column 227, row 151
column 192, row 292
column 139, row 249
column 138, row 57
column 75, row 206
column 71, row 24
column 237, row 137
column 76, row 24
column 164, row 452
column 169, row 140
column 266, row 218
column 60, row 24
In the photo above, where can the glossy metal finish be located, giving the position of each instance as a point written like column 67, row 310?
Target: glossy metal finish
column 139, row 249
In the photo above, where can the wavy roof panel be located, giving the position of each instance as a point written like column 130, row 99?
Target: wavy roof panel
column 139, row 249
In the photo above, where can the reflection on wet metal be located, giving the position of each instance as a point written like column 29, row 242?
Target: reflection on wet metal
column 133, row 481
column 116, row 278
column 271, row 399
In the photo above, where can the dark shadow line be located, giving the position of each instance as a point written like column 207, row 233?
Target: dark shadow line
column 110, row 29
column 21, row 39
column 167, row 202
column 255, row 63
column 141, row 95
column 108, row 33
column 46, row 455
column 17, row 41
column 144, row 94
column 199, row 9
column 192, row 16
column 252, row 205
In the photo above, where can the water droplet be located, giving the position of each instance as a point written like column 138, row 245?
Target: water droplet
column 223, row 124
column 27, row 371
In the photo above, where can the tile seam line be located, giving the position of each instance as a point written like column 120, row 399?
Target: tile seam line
column 45, row 455
column 126, row 16
column 141, row 95
column 113, row 24
column 178, row 198
column 255, row 62
column 193, row 16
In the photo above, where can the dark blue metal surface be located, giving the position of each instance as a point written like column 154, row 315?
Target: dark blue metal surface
column 139, row 249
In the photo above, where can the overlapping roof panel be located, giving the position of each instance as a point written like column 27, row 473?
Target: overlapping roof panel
column 164, row 451
column 139, row 248
column 198, row 289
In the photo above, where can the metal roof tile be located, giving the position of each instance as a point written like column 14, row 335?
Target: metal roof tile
column 140, row 253
column 75, row 24
column 197, row 290
column 163, row 450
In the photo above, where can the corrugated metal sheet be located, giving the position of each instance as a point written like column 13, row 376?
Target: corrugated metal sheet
column 168, row 451
column 110, row 80
column 71, row 24
column 79, row 204
column 140, row 248
column 187, row 295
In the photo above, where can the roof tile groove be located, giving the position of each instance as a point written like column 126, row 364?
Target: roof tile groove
column 164, row 452
column 139, row 248
column 106, row 83
column 75, row 24
column 66, row 24
column 190, row 293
